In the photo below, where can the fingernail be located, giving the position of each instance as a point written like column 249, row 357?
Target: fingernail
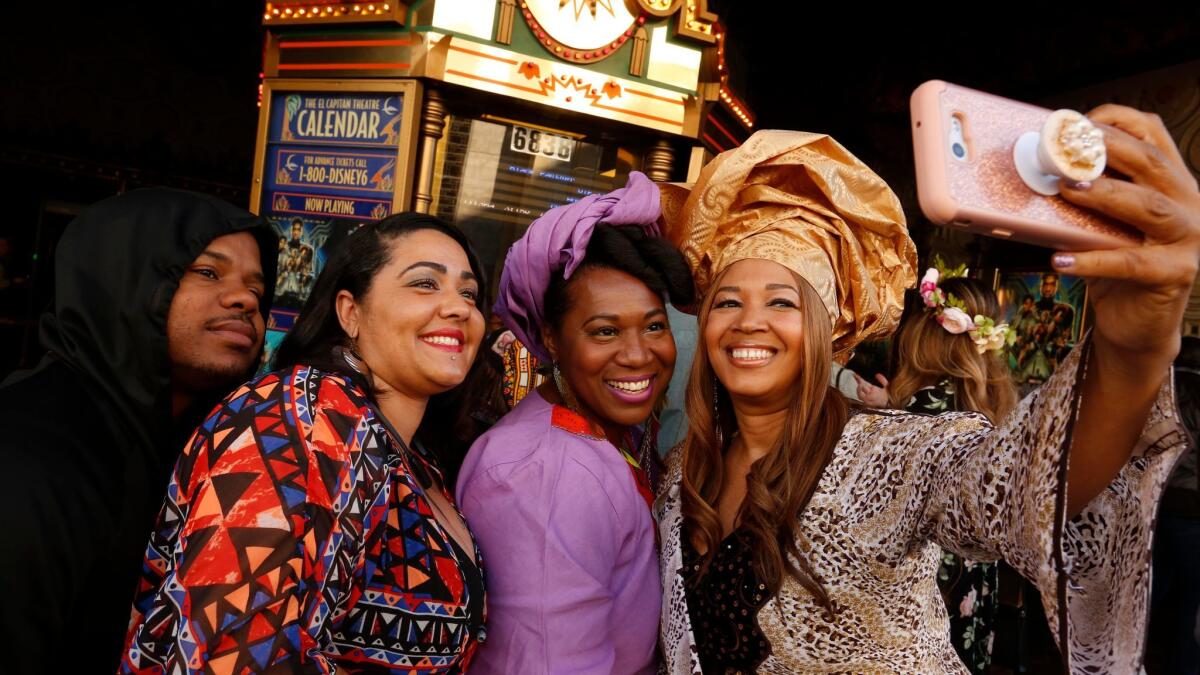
column 1081, row 185
column 1063, row 260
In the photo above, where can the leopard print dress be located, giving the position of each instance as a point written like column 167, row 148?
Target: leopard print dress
column 901, row 486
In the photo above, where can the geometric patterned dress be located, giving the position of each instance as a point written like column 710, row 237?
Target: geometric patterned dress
column 295, row 537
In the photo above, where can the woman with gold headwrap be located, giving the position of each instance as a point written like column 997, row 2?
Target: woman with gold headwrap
column 800, row 536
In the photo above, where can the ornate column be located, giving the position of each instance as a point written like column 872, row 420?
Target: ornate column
column 660, row 161
column 433, row 121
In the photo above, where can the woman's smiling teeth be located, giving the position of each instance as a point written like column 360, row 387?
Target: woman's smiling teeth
column 448, row 343
column 635, row 387
column 751, row 353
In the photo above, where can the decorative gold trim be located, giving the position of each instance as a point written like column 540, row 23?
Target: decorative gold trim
column 456, row 60
column 433, row 126
column 271, row 56
column 659, row 8
column 405, row 150
column 660, row 161
column 637, row 60
column 385, row 53
column 504, row 23
column 699, row 157
column 540, row 127
column 316, row 12
column 696, row 22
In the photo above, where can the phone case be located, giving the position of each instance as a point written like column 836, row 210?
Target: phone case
column 982, row 192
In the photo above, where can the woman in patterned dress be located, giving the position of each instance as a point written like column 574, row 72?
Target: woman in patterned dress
column 940, row 371
column 799, row 537
column 307, row 526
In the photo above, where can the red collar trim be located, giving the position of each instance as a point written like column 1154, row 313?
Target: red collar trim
column 562, row 417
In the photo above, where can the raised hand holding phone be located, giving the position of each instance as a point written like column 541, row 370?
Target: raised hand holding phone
column 1139, row 292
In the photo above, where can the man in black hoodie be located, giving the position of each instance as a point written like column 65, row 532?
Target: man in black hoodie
column 159, row 309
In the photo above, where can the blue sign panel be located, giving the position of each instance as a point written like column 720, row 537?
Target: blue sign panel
column 298, row 203
column 330, row 167
column 343, row 172
column 321, row 118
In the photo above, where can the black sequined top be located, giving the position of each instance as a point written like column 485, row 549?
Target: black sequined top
column 723, row 606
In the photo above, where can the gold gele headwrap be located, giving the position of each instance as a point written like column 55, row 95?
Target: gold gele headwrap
column 801, row 200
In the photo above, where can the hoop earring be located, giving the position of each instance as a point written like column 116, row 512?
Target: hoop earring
column 350, row 356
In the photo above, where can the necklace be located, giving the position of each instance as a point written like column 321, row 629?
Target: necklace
column 429, row 475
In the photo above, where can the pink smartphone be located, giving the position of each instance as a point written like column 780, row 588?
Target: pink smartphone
column 963, row 145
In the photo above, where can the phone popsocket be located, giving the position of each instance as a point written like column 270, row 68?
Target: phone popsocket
column 1068, row 147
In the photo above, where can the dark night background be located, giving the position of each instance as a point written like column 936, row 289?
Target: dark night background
column 169, row 89
column 103, row 97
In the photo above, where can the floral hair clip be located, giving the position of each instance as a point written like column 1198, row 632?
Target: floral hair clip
column 950, row 312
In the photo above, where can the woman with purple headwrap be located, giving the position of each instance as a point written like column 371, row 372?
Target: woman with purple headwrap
column 558, row 492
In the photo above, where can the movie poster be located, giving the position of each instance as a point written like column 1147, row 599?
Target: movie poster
column 1046, row 309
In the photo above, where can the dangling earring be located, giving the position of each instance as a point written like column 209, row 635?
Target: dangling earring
column 564, row 392
column 350, row 356
column 717, row 413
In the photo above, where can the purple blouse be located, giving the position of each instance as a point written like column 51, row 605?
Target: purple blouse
column 572, row 571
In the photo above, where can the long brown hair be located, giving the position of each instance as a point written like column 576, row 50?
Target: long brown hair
column 779, row 484
column 926, row 354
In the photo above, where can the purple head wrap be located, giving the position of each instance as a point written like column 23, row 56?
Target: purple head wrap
column 555, row 245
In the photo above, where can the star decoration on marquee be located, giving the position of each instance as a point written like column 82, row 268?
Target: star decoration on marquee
column 580, row 5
